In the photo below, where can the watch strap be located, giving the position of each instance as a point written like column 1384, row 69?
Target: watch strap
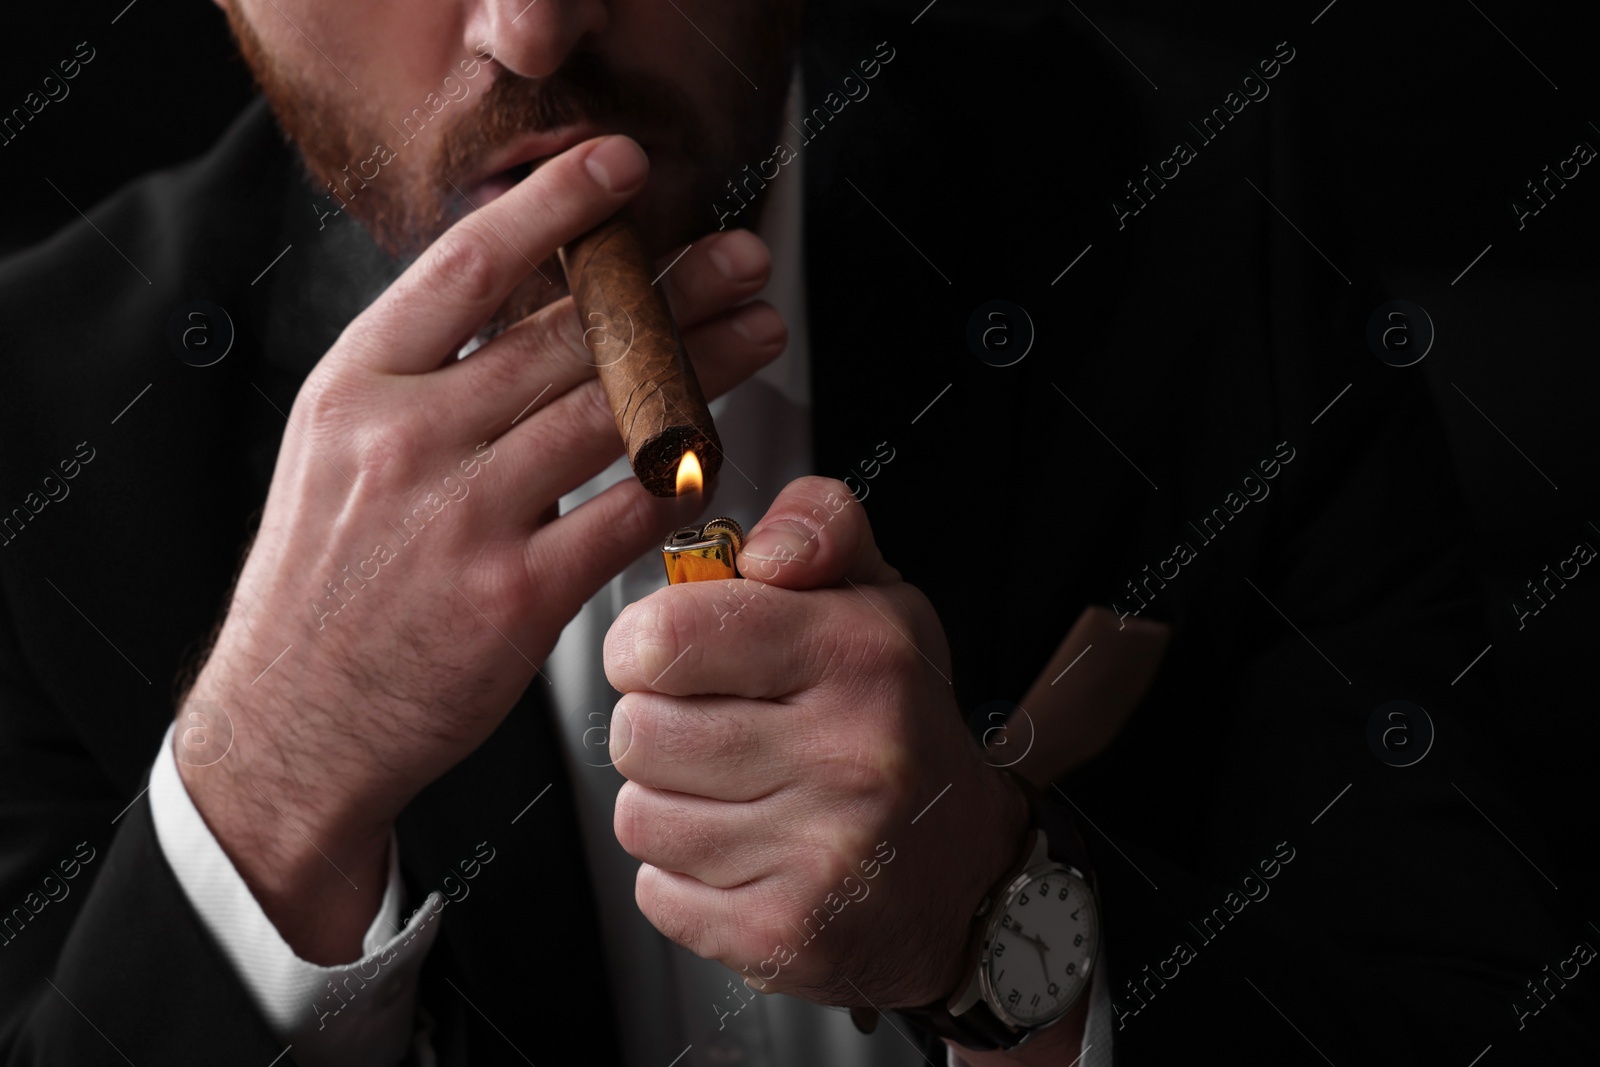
column 979, row 1028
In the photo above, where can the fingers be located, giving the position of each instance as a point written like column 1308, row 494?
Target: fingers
column 680, row 641
column 585, row 548
column 564, row 440
column 717, row 273
column 702, row 918
column 730, row 348
column 450, row 292
column 543, row 356
column 720, row 748
column 526, row 368
column 814, row 535
column 759, row 928
column 710, row 841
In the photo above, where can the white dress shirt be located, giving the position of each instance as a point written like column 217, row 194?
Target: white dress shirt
column 673, row 1006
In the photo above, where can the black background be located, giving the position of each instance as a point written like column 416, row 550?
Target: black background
column 1428, row 121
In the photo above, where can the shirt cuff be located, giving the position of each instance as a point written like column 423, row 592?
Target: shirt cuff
column 357, row 1014
column 1095, row 1050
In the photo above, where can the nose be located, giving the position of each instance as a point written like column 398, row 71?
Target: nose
column 534, row 37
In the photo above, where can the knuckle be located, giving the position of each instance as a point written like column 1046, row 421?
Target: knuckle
column 497, row 371
column 771, row 331
column 815, row 487
column 594, row 414
column 324, row 398
column 861, row 770
column 653, row 833
column 669, row 913
column 732, row 739
column 583, row 412
column 629, row 819
column 904, row 659
column 704, row 736
column 760, row 920
column 893, row 655
column 573, row 334
column 385, row 454
column 464, row 262
column 767, row 916
column 871, row 651
column 652, row 637
column 642, row 729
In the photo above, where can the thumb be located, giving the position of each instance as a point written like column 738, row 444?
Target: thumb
column 816, row 534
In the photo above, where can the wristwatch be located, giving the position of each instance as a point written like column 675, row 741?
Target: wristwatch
column 1035, row 938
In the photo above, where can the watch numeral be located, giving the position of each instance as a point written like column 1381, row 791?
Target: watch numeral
column 1077, row 941
column 1034, row 1003
column 1075, row 914
column 1064, row 897
column 999, row 948
column 1022, row 899
column 1044, row 889
column 1005, row 920
column 1053, row 989
column 1072, row 968
column 1016, row 996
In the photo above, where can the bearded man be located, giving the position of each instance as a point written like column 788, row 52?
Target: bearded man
column 344, row 683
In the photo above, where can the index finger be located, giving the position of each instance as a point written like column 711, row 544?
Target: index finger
column 735, row 638
column 451, row 290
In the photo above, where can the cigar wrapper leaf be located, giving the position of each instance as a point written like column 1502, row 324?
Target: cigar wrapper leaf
column 655, row 397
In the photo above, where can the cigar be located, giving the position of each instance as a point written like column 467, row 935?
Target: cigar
column 628, row 329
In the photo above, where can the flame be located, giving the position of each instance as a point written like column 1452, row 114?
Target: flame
column 690, row 479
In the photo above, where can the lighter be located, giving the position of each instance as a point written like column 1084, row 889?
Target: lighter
column 702, row 553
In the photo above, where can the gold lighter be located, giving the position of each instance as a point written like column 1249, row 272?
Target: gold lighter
column 702, row 553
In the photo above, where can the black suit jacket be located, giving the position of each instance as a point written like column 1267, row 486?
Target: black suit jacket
column 1187, row 345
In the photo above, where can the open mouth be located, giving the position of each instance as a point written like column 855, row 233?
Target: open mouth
column 497, row 185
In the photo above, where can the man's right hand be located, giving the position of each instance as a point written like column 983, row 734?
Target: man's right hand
column 402, row 659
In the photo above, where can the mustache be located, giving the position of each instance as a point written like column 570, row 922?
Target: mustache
column 584, row 87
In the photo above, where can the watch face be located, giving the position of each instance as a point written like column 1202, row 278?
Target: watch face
column 1042, row 949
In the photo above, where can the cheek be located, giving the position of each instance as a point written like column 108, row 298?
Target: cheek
column 374, row 43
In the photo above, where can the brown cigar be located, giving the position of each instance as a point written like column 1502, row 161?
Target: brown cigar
column 628, row 330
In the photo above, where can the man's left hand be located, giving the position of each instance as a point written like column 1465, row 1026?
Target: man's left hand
column 803, row 795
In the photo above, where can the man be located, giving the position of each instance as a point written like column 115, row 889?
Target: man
column 431, row 528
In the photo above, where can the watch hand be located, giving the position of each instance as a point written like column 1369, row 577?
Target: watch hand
column 1037, row 943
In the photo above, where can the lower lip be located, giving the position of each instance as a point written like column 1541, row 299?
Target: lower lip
column 492, row 189
column 498, row 185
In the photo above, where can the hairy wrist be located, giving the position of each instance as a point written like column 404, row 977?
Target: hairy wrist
column 313, row 856
column 999, row 839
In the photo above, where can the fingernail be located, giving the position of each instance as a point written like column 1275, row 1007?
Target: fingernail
column 759, row 324
column 621, row 733
column 740, row 256
column 617, row 163
column 782, row 540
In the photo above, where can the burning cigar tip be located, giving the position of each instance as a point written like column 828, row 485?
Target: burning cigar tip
column 655, row 396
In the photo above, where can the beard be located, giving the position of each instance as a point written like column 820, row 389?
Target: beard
column 417, row 193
